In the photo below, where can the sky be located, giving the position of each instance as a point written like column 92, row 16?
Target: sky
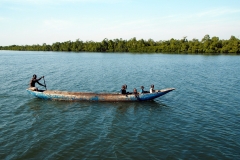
column 28, row 22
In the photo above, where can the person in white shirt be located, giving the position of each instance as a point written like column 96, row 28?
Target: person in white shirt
column 152, row 89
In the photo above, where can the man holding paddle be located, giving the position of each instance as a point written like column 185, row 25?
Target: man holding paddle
column 35, row 80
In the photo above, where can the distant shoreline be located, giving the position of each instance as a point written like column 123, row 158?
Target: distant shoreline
column 207, row 46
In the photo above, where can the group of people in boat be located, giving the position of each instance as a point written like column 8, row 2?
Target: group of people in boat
column 35, row 80
column 124, row 90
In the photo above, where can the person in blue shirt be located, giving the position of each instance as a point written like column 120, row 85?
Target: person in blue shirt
column 142, row 90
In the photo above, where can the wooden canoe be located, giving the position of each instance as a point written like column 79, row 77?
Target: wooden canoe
column 89, row 96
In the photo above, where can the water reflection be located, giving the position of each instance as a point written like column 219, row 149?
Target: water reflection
column 38, row 104
column 123, row 107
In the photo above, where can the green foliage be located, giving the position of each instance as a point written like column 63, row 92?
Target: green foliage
column 207, row 45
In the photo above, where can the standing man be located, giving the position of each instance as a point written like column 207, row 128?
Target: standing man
column 33, row 81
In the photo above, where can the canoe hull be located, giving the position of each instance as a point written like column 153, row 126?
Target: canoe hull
column 86, row 96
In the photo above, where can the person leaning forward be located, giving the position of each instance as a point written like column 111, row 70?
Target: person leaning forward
column 35, row 80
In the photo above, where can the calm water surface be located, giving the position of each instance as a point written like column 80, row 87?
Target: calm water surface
column 199, row 120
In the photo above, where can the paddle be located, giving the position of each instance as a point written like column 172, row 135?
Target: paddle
column 44, row 83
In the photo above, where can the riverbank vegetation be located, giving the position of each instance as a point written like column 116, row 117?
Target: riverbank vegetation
column 207, row 45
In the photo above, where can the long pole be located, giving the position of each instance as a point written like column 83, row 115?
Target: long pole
column 44, row 83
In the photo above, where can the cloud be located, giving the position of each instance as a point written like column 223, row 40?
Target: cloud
column 218, row 12
column 1, row 18
column 57, row 24
column 44, row 2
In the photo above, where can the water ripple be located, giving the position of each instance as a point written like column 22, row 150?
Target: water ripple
column 199, row 120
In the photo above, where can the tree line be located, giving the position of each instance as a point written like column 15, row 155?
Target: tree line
column 207, row 45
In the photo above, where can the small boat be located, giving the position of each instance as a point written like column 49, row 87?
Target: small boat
column 89, row 96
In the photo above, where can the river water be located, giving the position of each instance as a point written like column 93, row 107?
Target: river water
column 198, row 120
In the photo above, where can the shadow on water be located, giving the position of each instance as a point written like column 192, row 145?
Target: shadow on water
column 40, row 106
column 148, row 105
column 36, row 104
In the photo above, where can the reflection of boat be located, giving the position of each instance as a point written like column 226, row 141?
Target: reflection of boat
column 88, row 96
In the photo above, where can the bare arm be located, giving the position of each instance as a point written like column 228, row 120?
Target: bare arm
column 40, row 84
column 40, row 78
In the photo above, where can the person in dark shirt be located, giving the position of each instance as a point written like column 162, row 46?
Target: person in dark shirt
column 123, row 90
column 35, row 80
